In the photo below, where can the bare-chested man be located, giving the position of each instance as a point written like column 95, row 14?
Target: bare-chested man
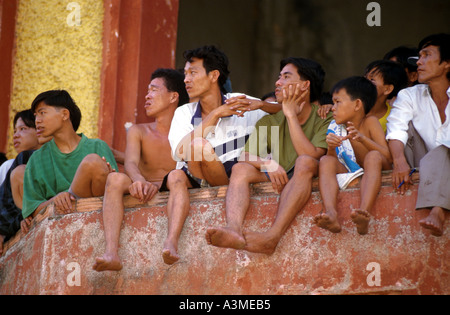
column 148, row 160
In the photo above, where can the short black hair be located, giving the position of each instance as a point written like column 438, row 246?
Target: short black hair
column 402, row 54
column 27, row 117
column 213, row 59
column 174, row 82
column 442, row 41
column 393, row 73
column 308, row 70
column 358, row 88
column 60, row 98
column 268, row 95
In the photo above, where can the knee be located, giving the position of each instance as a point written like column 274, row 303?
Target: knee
column 117, row 181
column 177, row 178
column 201, row 150
column 92, row 161
column 326, row 160
column 373, row 158
column 17, row 175
column 93, row 164
column 241, row 171
column 306, row 165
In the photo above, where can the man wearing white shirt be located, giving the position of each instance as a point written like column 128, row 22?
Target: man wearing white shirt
column 418, row 132
column 206, row 136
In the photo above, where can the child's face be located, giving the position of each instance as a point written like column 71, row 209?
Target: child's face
column 376, row 78
column 344, row 108
column 48, row 119
column 25, row 137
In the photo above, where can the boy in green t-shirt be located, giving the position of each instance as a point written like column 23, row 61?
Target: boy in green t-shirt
column 284, row 149
column 68, row 167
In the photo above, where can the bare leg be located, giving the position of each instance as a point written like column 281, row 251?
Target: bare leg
column 90, row 178
column 329, row 189
column 207, row 165
column 113, row 211
column 294, row 196
column 17, row 185
column 237, row 204
column 177, row 211
column 435, row 221
column 370, row 187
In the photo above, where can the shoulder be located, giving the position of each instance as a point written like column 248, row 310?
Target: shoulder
column 139, row 129
column 186, row 109
column 371, row 124
column 272, row 120
column 413, row 93
column 370, row 121
column 316, row 120
column 94, row 142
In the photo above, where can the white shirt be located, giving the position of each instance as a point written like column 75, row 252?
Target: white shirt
column 227, row 138
column 4, row 168
column 416, row 104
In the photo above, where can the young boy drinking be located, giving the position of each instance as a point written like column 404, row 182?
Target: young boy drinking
column 353, row 139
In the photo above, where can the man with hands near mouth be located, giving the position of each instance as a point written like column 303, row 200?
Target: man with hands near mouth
column 284, row 149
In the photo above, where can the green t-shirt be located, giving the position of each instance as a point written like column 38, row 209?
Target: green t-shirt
column 272, row 136
column 50, row 172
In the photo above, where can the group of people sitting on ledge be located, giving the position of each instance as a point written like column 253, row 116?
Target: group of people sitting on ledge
column 394, row 116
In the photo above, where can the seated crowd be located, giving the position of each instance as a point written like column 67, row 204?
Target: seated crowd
column 394, row 116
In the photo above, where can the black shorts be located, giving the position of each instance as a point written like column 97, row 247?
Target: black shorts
column 195, row 182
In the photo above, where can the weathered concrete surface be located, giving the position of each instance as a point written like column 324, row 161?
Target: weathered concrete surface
column 56, row 257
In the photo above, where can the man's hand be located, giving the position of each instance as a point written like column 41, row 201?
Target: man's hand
column 25, row 224
column 277, row 175
column 143, row 191
column 243, row 104
column 63, row 202
column 324, row 110
column 294, row 99
column 400, row 174
column 110, row 169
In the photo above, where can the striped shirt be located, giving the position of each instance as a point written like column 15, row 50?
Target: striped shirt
column 227, row 138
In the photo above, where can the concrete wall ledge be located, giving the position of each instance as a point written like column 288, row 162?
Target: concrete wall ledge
column 396, row 257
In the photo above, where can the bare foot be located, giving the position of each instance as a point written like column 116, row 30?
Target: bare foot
column 361, row 218
column 169, row 254
column 225, row 237
column 107, row 263
column 328, row 221
column 260, row 243
column 434, row 222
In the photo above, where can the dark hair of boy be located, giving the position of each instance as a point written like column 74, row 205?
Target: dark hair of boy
column 402, row 54
column 268, row 95
column 174, row 81
column 62, row 99
column 393, row 73
column 308, row 70
column 326, row 98
column 358, row 88
column 213, row 59
column 442, row 41
column 27, row 118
